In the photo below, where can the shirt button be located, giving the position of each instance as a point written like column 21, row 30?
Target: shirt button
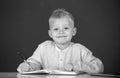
column 61, row 59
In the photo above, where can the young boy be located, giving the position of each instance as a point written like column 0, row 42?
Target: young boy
column 61, row 53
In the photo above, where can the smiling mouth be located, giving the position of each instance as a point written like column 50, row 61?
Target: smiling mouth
column 61, row 36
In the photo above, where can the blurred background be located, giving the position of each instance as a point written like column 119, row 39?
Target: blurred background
column 24, row 25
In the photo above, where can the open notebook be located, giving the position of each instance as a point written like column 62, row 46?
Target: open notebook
column 52, row 72
column 60, row 72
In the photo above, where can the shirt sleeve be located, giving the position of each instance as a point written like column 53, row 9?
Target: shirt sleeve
column 37, row 55
column 90, row 63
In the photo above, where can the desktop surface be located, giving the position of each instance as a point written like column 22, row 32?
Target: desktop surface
column 18, row 75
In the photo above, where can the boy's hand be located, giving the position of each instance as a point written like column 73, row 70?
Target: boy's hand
column 76, row 68
column 68, row 67
column 23, row 67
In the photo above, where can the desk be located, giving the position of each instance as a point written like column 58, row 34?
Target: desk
column 17, row 75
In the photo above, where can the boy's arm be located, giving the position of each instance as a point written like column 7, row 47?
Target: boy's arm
column 90, row 63
column 33, row 63
column 27, row 66
column 35, row 60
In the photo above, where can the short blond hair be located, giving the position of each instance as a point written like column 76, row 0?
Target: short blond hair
column 60, row 13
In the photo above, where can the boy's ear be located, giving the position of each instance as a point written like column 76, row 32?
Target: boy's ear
column 74, row 31
column 49, row 33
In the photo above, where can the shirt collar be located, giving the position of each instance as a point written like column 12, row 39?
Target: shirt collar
column 63, row 49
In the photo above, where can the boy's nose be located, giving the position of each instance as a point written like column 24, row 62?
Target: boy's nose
column 61, row 31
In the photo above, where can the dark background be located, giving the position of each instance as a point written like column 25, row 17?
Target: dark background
column 24, row 25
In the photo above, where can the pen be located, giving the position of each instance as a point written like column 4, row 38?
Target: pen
column 22, row 57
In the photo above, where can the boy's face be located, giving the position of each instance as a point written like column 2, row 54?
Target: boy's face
column 62, row 30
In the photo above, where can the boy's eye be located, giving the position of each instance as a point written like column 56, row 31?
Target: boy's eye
column 55, row 29
column 66, row 28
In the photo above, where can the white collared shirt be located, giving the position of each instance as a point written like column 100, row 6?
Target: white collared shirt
column 61, row 56
column 48, row 55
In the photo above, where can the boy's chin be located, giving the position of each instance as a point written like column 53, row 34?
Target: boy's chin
column 63, row 43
